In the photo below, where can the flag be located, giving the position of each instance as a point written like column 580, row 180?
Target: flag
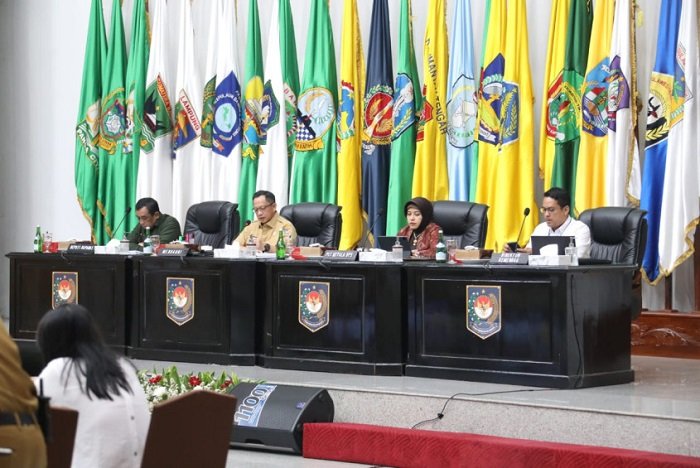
column 206, row 137
column 569, row 97
column 670, row 183
column 377, row 120
column 352, row 84
column 252, row 132
column 623, row 183
column 156, row 161
column 511, row 164
column 314, row 170
column 87, row 127
column 430, row 170
column 553, row 79
column 188, row 176
column 461, row 107
column 662, row 111
column 407, row 105
column 280, row 101
column 591, row 171
column 111, row 186
column 227, row 132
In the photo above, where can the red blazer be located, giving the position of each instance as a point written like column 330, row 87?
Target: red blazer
column 422, row 245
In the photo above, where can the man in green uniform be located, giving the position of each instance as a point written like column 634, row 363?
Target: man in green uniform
column 149, row 215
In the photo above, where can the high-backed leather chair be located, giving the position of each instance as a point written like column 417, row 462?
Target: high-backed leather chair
column 213, row 223
column 315, row 223
column 466, row 222
column 618, row 233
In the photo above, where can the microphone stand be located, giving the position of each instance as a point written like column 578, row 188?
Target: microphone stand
column 126, row 213
column 365, row 237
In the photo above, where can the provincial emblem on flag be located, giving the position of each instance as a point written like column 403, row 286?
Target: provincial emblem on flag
column 568, row 113
column 269, row 112
column 404, row 112
column 179, row 299
column 491, row 97
column 378, row 115
column 208, row 114
column 156, row 114
column 227, row 116
column 316, row 114
column 658, row 108
column 595, row 102
column 555, row 99
column 484, row 310
column 510, row 113
column 113, row 122
column 187, row 125
column 426, row 115
column 314, row 305
column 64, row 288
column 618, row 92
column 88, row 131
column 461, row 111
column 290, row 102
column 346, row 111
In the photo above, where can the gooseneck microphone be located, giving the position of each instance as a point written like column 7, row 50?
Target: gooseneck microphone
column 365, row 238
column 526, row 213
column 126, row 213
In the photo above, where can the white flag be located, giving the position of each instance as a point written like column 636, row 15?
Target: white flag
column 679, row 207
column 156, row 163
column 190, row 181
column 624, row 179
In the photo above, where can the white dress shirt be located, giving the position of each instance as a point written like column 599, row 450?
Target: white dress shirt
column 571, row 227
column 110, row 433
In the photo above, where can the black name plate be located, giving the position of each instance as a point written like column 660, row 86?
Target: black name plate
column 81, row 249
column 173, row 252
column 340, row 255
column 509, row 258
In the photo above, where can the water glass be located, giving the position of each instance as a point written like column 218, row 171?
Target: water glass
column 155, row 242
column 451, row 249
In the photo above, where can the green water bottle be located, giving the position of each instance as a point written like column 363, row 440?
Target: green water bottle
column 38, row 240
column 281, row 246
column 441, row 249
column 147, row 242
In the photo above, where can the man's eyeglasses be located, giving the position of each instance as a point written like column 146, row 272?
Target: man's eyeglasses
column 260, row 209
column 548, row 209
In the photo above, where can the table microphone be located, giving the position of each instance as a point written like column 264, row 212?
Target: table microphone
column 126, row 213
column 526, row 213
column 365, row 238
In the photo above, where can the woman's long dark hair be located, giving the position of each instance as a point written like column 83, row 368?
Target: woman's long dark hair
column 69, row 331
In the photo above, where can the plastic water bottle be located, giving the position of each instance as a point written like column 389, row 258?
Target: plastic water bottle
column 397, row 251
column 570, row 250
column 441, row 249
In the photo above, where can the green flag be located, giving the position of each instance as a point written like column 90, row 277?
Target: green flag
column 253, row 79
column 407, row 104
column 111, row 189
column 569, row 96
column 314, row 170
column 290, row 74
column 87, row 126
column 135, row 96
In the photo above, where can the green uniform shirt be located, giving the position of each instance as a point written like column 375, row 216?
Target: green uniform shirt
column 166, row 227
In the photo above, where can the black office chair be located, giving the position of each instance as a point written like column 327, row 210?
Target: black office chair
column 619, row 234
column 214, row 223
column 466, row 222
column 315, row 223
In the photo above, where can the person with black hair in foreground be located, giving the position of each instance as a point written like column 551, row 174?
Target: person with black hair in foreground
column 83, row 374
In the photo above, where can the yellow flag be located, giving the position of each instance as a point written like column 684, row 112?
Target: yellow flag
column 554, row 66
column 430, row 169
column 509, row 163
column 352, row 89
column 591, row 173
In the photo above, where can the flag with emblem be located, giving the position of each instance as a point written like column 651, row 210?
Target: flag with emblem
column 188, row 178
column 553, row 80
column 591, row 170
column 111, row 189
column 430, row 169
column 566, row 147
column 156, row 161
column 670, row 183
column 352, row 83
column 278, row 103
column 407, row 105
column 512, row 166
column 623, row 184
column 86, row 169
column 314, row 170
column 377, row 120
column 252, row 108
column 461, row 107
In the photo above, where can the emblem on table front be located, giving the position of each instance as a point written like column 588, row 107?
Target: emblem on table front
column 64, row 288
column 179, row 299
column 314, row 305
column 484, row 310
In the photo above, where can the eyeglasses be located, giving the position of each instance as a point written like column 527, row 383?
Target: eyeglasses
column 260, row 209
column 548, row 209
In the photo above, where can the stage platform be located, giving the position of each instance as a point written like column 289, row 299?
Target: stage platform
column 658, row 412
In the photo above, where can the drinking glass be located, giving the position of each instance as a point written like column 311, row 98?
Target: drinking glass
column 451, row 249
column 155, row 242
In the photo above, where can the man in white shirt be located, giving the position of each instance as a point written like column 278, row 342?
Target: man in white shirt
column 557, row 222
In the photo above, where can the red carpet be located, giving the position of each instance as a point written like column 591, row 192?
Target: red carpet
column 390, row 446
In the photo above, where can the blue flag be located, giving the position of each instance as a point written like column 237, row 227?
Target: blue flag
column 461, row 108
column 663, row 96
column 378, row 120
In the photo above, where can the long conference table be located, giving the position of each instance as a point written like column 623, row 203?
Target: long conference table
column 561, row 327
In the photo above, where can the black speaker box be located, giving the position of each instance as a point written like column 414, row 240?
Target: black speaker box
column 272, row 417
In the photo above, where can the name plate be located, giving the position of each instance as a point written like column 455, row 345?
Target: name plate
column 81, row 249
column 173, row 252
column 340, row 255
column 513, row 258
